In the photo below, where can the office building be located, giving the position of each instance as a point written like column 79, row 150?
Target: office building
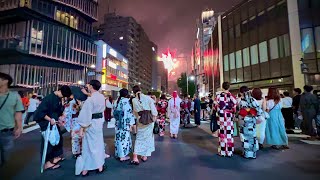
column 126, row 36
column 261, row 44
column 202, row 59
column 114, row 68
column 45, row 44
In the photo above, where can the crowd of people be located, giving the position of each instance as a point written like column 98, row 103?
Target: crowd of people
column 259, row 120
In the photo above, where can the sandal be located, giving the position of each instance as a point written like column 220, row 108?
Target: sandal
column 144, row 160
column 125, row 160
column 134, row 163
column 54, row 167
column 60, row 160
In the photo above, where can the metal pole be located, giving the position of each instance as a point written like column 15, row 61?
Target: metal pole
column 187, row 79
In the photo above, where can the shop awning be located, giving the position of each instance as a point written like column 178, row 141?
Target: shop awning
column 106, row 87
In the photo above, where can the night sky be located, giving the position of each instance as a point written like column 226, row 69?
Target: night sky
column 168, row 23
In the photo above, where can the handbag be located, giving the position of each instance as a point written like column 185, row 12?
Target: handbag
column 156, row 128
column 54, row 136
column 145, row 117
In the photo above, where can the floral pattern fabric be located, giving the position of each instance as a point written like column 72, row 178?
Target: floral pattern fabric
column 123, row 142
column 162, row 112
column 72, row 126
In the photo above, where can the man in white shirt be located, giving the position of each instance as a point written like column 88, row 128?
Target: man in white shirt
column 287, row 111
column 33, row 104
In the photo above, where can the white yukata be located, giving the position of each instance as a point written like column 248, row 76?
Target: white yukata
column 93, row 153
column 144, row 144
column 174, row 114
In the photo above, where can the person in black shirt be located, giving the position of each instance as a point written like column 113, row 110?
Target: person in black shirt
column 295, row 106
column 50, row 111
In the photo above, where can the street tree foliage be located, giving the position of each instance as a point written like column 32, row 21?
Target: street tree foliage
column 182, row 84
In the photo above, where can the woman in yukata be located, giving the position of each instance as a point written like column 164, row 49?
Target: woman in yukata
column 249, row 111
column 124, row 121
column 225, row 104
column 72, row 112
column 162, row 112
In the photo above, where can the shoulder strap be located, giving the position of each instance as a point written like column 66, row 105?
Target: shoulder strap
column 5, row 100
column 274, row 106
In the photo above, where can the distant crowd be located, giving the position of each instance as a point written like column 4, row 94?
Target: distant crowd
column 256, row 119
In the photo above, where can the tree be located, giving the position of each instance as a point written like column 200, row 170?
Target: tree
column 182, row 84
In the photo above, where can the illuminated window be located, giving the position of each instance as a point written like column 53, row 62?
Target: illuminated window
column 307, row 40
column 226, row 63
column 238, row 59
column 246, row 57
column 232, row 61
column 254, row 54
column 274, row 53
column 58, row 15
column 317, row 33
column 263, row 52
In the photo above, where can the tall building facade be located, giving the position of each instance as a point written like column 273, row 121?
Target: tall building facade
column 262, row 44
column 128, row 38
column 162, row 77
column 202, row 56
column 114, row 68
column 46, row 44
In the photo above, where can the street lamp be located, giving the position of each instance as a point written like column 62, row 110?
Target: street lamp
column 80, row 82
column 192, row 78
column 92, row 66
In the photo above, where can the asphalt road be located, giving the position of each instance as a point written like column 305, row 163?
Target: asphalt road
column 190, row 157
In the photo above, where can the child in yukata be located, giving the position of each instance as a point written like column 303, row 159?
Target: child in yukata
column 72, row 112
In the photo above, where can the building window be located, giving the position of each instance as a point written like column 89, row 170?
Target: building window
column 226, row 63
column 287, row 47
column 273, row 44
column 231, row 33
column 307, row 40
column 263, row 52
column 238, row 59
column 284, row 46
column 238, row 30
column 254, row 54
column 246, row 57
column 232, row 61
column 317, row 33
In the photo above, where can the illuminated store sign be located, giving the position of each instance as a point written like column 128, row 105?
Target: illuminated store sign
column 113, row 52
column 112, row 64
column 104, row 50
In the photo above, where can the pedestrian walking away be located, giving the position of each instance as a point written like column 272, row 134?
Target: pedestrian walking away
column 249, row 113
column 146, row 113
column 261, row 125
column 197, row 110
column 275, row 129
column 124, row 121
column 162, row 114
column 226, row 106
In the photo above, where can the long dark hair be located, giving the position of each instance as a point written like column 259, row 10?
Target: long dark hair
column 123, row 94
column 110, row 99
column 273, row 93
column 136, row 89
column 257, row 93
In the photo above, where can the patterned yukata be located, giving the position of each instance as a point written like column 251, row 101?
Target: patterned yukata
column 162, row 112
column 123, row 142
column 73, row 126
column 225, row 104
column 248, row 134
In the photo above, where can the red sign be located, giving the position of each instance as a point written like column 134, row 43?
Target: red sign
column 104, row 63
column 114, row 77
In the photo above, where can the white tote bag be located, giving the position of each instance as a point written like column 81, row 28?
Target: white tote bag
column 54, row 136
